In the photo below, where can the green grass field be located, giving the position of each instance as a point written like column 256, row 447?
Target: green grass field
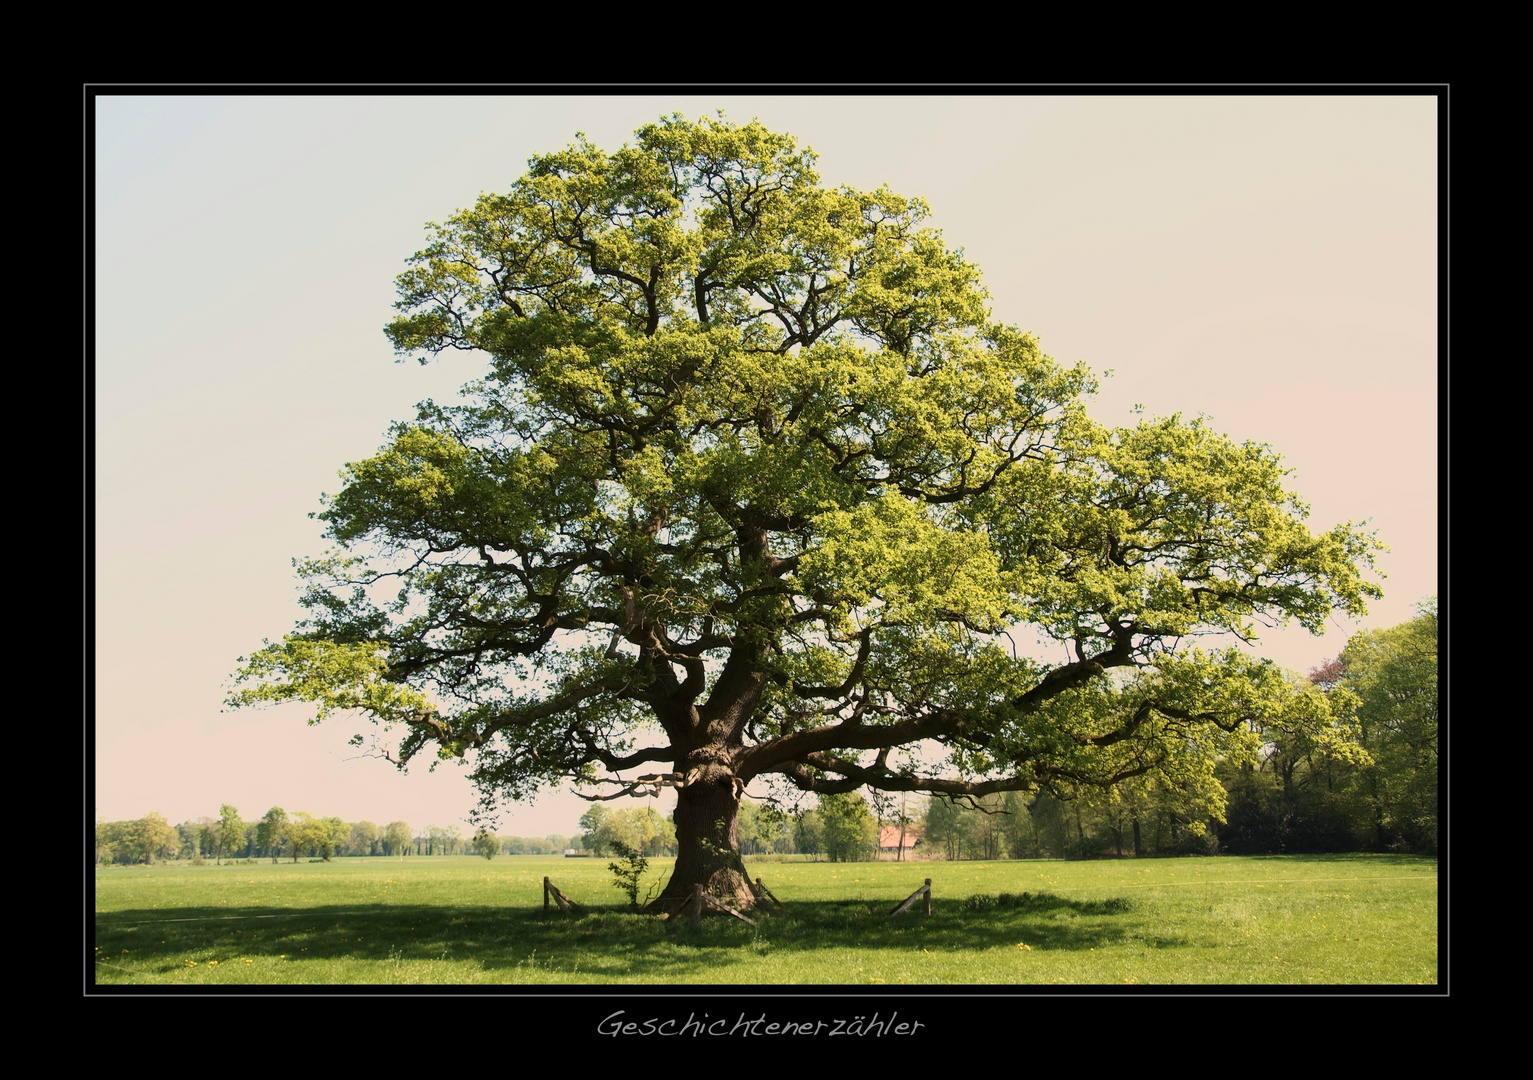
column 1316, row 920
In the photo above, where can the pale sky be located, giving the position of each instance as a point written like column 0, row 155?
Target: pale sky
column 1268, row 261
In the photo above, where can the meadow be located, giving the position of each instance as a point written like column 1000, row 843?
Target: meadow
column 1281, row 920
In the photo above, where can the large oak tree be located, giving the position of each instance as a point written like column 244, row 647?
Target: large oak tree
column 751, row 485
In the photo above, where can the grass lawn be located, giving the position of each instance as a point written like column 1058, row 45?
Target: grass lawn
column 1282, row 920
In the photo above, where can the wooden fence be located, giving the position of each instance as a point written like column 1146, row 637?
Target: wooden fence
column 694, row 905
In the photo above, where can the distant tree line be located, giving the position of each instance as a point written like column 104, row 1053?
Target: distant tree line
column 277, row 835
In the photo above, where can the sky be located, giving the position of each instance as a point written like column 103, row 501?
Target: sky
column 1267, row 261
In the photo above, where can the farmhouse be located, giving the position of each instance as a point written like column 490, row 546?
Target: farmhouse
column 892, row 840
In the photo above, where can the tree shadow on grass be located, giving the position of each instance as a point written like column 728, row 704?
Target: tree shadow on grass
column 603, row 944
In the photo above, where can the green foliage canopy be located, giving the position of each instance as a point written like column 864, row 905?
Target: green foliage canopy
column 136, row 841
column 397, row 836
column 486, row 844
column 848, row 830
column 641, row 829
column 271, row 831
column 306, row 834
column 753, row 485
column 229, row 833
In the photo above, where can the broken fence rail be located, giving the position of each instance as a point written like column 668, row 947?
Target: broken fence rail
column 926, row 905
column 566, row 905
column 700, row 899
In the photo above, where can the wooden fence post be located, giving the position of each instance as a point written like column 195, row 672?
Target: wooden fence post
column 926, row 901
column 545, row 898
column 697, row 905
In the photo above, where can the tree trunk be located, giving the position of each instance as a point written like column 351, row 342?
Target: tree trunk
column 708, row 845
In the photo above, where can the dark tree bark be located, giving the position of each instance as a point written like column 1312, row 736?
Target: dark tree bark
column 708, row 845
